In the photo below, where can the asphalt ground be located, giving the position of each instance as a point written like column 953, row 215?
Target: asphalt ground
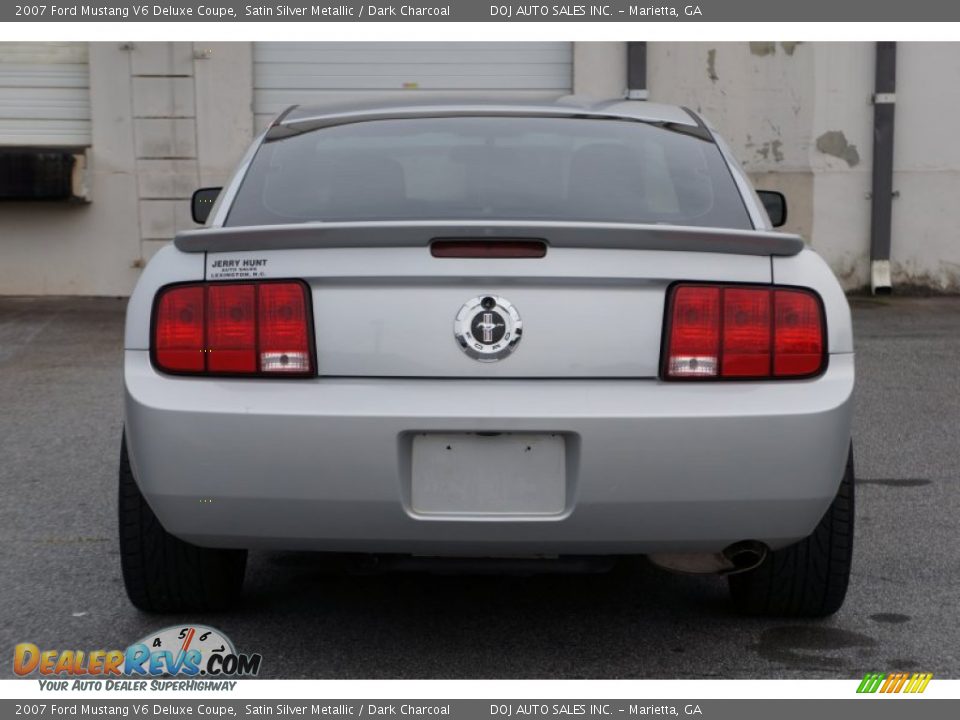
column 60, row 586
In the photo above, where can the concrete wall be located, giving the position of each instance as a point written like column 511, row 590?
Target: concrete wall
column 166, row 118
column 799, row 118
column 926, row 215
column 88, row 249
column 169, row 117
column 600, row 69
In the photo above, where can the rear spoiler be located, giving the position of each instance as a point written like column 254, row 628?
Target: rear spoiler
column 614, row 236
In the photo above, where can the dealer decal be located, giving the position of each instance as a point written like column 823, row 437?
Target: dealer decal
column 221, row 268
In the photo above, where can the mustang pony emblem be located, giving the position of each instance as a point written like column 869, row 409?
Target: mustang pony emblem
column 488, row 328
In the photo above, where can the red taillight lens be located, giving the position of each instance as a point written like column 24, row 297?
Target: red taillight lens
column 798, row 334
column 743, row 332
column 178, row 339
column 746, row 333
column 695, row 332
column 231, row 329
column 284, row 337
column 256, row 328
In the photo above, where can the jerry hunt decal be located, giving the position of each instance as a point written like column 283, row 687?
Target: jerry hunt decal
column 220, row 268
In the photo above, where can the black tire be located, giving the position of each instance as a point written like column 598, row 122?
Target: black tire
column 164, row 574
column 808, row 578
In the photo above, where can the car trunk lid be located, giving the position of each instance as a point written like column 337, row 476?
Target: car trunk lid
column 592, row 306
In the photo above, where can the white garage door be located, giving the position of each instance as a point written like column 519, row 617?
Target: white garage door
column 44, row 94
column 287, row 74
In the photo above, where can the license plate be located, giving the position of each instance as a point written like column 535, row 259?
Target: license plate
column 503, row 474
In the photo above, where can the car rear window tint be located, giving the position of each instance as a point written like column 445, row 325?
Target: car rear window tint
column 503, row 168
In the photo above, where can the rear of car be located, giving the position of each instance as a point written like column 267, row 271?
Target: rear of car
column 489, row 331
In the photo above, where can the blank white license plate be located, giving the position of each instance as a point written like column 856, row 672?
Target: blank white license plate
column 504, row 474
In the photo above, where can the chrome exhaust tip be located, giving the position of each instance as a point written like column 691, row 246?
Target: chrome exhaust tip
column 736, row 558
column 745, row 555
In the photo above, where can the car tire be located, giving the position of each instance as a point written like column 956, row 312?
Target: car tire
column 162, row 573
column 809, row 578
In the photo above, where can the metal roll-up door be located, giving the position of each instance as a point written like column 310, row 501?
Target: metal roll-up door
column 44, row 94
column 288, row 73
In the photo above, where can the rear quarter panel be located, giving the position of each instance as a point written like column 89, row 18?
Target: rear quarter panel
column 808, row 269
column 169, row 265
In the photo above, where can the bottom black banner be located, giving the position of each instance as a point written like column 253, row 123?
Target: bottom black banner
column 873, row 707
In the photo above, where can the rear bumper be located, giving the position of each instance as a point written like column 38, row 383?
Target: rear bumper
column 325, row 464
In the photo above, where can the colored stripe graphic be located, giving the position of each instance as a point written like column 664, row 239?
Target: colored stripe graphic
column 919, row 682
column 888, row 683
column 871, row 683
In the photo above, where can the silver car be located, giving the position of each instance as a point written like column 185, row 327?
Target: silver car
column 542, row 333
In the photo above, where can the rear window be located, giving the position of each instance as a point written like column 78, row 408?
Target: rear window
column 499, row 168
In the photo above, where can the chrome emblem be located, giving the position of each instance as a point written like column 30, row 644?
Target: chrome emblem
column 488, row 328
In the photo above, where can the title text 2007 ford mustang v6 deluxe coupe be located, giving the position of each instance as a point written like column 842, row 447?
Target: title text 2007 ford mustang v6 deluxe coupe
column 489, row 330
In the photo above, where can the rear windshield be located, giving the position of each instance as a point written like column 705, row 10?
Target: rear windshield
column 500, row 168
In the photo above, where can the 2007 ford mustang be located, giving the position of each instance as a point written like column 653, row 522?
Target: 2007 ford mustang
column 548, row 331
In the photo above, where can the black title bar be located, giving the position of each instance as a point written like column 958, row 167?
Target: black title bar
column 485, row 11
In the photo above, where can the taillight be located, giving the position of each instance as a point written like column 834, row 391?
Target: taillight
column 798, row 333
column 695, row 333
column 234, row 328
column 284, row 336
column 231, row 329
column 739, row 332
column 178, row 335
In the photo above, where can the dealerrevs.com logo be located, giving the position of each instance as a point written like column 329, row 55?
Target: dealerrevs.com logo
column 184, row 652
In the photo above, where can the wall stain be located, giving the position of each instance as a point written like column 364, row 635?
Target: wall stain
column 712, row 65
column 762, row 49
column 806, row 646
column 908, row 280
column 834, row 142
column 850, row 274
column 776, row 147
column 790, row 47
column 773, row 148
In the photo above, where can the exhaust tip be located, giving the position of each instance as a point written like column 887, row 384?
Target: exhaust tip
column 746, row 555
column 736, row 558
